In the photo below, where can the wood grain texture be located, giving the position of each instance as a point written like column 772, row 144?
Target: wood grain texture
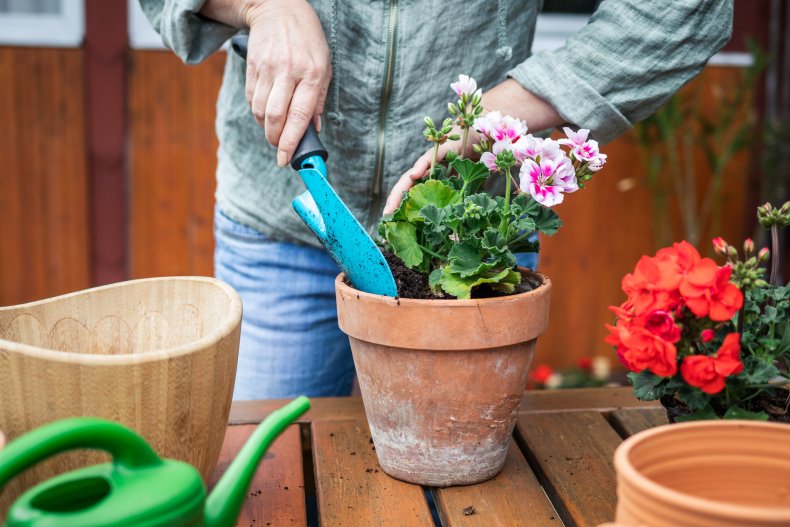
column 172, row 161
column 276, row 494
column 45, row 230
column 351, row 487
column 157, row 355
column 513, row 497
column 573, row 452
column 341, row 408
column 630, row 422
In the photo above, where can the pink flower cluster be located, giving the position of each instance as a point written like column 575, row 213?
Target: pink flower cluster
column 546, row 172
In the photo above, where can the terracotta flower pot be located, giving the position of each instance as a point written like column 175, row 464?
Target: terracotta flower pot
column 706, row 474
column 157, row 355
column 442, row 380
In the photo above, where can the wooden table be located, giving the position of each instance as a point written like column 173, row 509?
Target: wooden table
column 559, row 470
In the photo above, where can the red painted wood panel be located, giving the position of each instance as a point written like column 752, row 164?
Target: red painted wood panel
column 44, row 215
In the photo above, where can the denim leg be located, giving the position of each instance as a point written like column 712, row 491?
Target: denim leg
column 290, row 342
column 528, row 260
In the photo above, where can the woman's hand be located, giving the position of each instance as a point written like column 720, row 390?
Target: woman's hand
column 288, row 71
column 509, row 98
column 288, row 65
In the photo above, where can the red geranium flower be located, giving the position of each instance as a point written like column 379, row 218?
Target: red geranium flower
column 647, row 288
column 707, row 291
column 640, row 349
column 709, row 373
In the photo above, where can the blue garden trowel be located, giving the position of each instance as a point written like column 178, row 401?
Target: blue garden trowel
column 347, row 242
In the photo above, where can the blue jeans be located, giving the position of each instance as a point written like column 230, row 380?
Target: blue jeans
column 290, row 342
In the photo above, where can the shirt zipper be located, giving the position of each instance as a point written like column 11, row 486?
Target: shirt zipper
column 386, row 90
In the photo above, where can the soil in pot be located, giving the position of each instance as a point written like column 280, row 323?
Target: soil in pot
column 412, row 284
column 776, row 407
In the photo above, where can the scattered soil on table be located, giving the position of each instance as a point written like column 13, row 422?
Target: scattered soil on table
column 776, row 407
column 469, row 511
column 412, row 284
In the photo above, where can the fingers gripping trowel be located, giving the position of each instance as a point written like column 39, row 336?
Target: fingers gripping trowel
column 328, row 217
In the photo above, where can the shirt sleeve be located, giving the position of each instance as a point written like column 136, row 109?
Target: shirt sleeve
column 627, row 61
column 184, row 30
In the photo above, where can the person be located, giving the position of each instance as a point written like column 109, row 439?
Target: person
column 366, row 72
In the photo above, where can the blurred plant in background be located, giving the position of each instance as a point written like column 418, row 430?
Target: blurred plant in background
column 589, row 372
column 670, row 138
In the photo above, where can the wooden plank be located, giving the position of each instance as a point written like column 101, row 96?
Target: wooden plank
column 45, row 230
column 572, row 453
column 350, row 485
column 632, row 421
column 172, row 161
column 513, row 497
column 334, row 408
column 276, row 495
column 581, row 399
column 321, row 408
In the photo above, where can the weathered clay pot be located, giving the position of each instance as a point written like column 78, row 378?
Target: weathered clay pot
column 442, row 380
column 157, row 355
column 706, row 474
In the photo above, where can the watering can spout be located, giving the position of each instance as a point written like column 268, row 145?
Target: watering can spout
column 225, row 502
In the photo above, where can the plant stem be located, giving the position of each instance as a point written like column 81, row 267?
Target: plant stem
column 427, row 250
column 774, row 255
column 433, row 161
column 462, row 153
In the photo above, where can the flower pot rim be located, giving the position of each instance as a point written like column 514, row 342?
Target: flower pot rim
column 227, row 326
column 627, row 471
column 545, row 281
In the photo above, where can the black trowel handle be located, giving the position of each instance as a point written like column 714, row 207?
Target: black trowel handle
column 311, row 144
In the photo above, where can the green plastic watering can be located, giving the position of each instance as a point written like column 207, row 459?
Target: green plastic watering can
column 137, row 488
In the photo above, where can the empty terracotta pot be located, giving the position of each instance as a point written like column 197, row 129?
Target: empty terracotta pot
column 157, row 355
column 442, row 380
column 705, row 474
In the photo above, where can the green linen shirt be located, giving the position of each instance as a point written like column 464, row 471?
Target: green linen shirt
column 393, row 61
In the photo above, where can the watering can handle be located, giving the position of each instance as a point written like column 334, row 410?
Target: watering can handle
column 310, row 145
column 128, row 449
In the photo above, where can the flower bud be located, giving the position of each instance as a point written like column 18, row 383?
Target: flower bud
column 454, row 137
column 763, row 255
column 732, row 251
column 720, row 246
column 760, row 283
column 785, row 208
column 452, row 109
column 748, row 246
column 707, row 335
column 429, row 122
column 751, row 262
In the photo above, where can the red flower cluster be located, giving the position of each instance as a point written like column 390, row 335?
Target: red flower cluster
column 708, row 373
column 650, row 321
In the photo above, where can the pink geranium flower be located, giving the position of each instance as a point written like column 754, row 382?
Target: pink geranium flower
column 577, row 138
column 587, row 151
column 597, row 163
column 499, row 127
column 548, row 180
column 465, row 85
column 536, row 148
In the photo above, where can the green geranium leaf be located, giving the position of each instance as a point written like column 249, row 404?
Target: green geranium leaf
column 703, row 413
column 644, row 384
column 435, row 278
column 694, row 398
column 472, row 174
column 402, row 237
column 431, row 192
column 461, row 288
column 736, row 412
column 521, row 225
column 465, row 259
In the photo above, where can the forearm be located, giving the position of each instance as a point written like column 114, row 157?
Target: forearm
column 511, row 98
column 235, row 13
